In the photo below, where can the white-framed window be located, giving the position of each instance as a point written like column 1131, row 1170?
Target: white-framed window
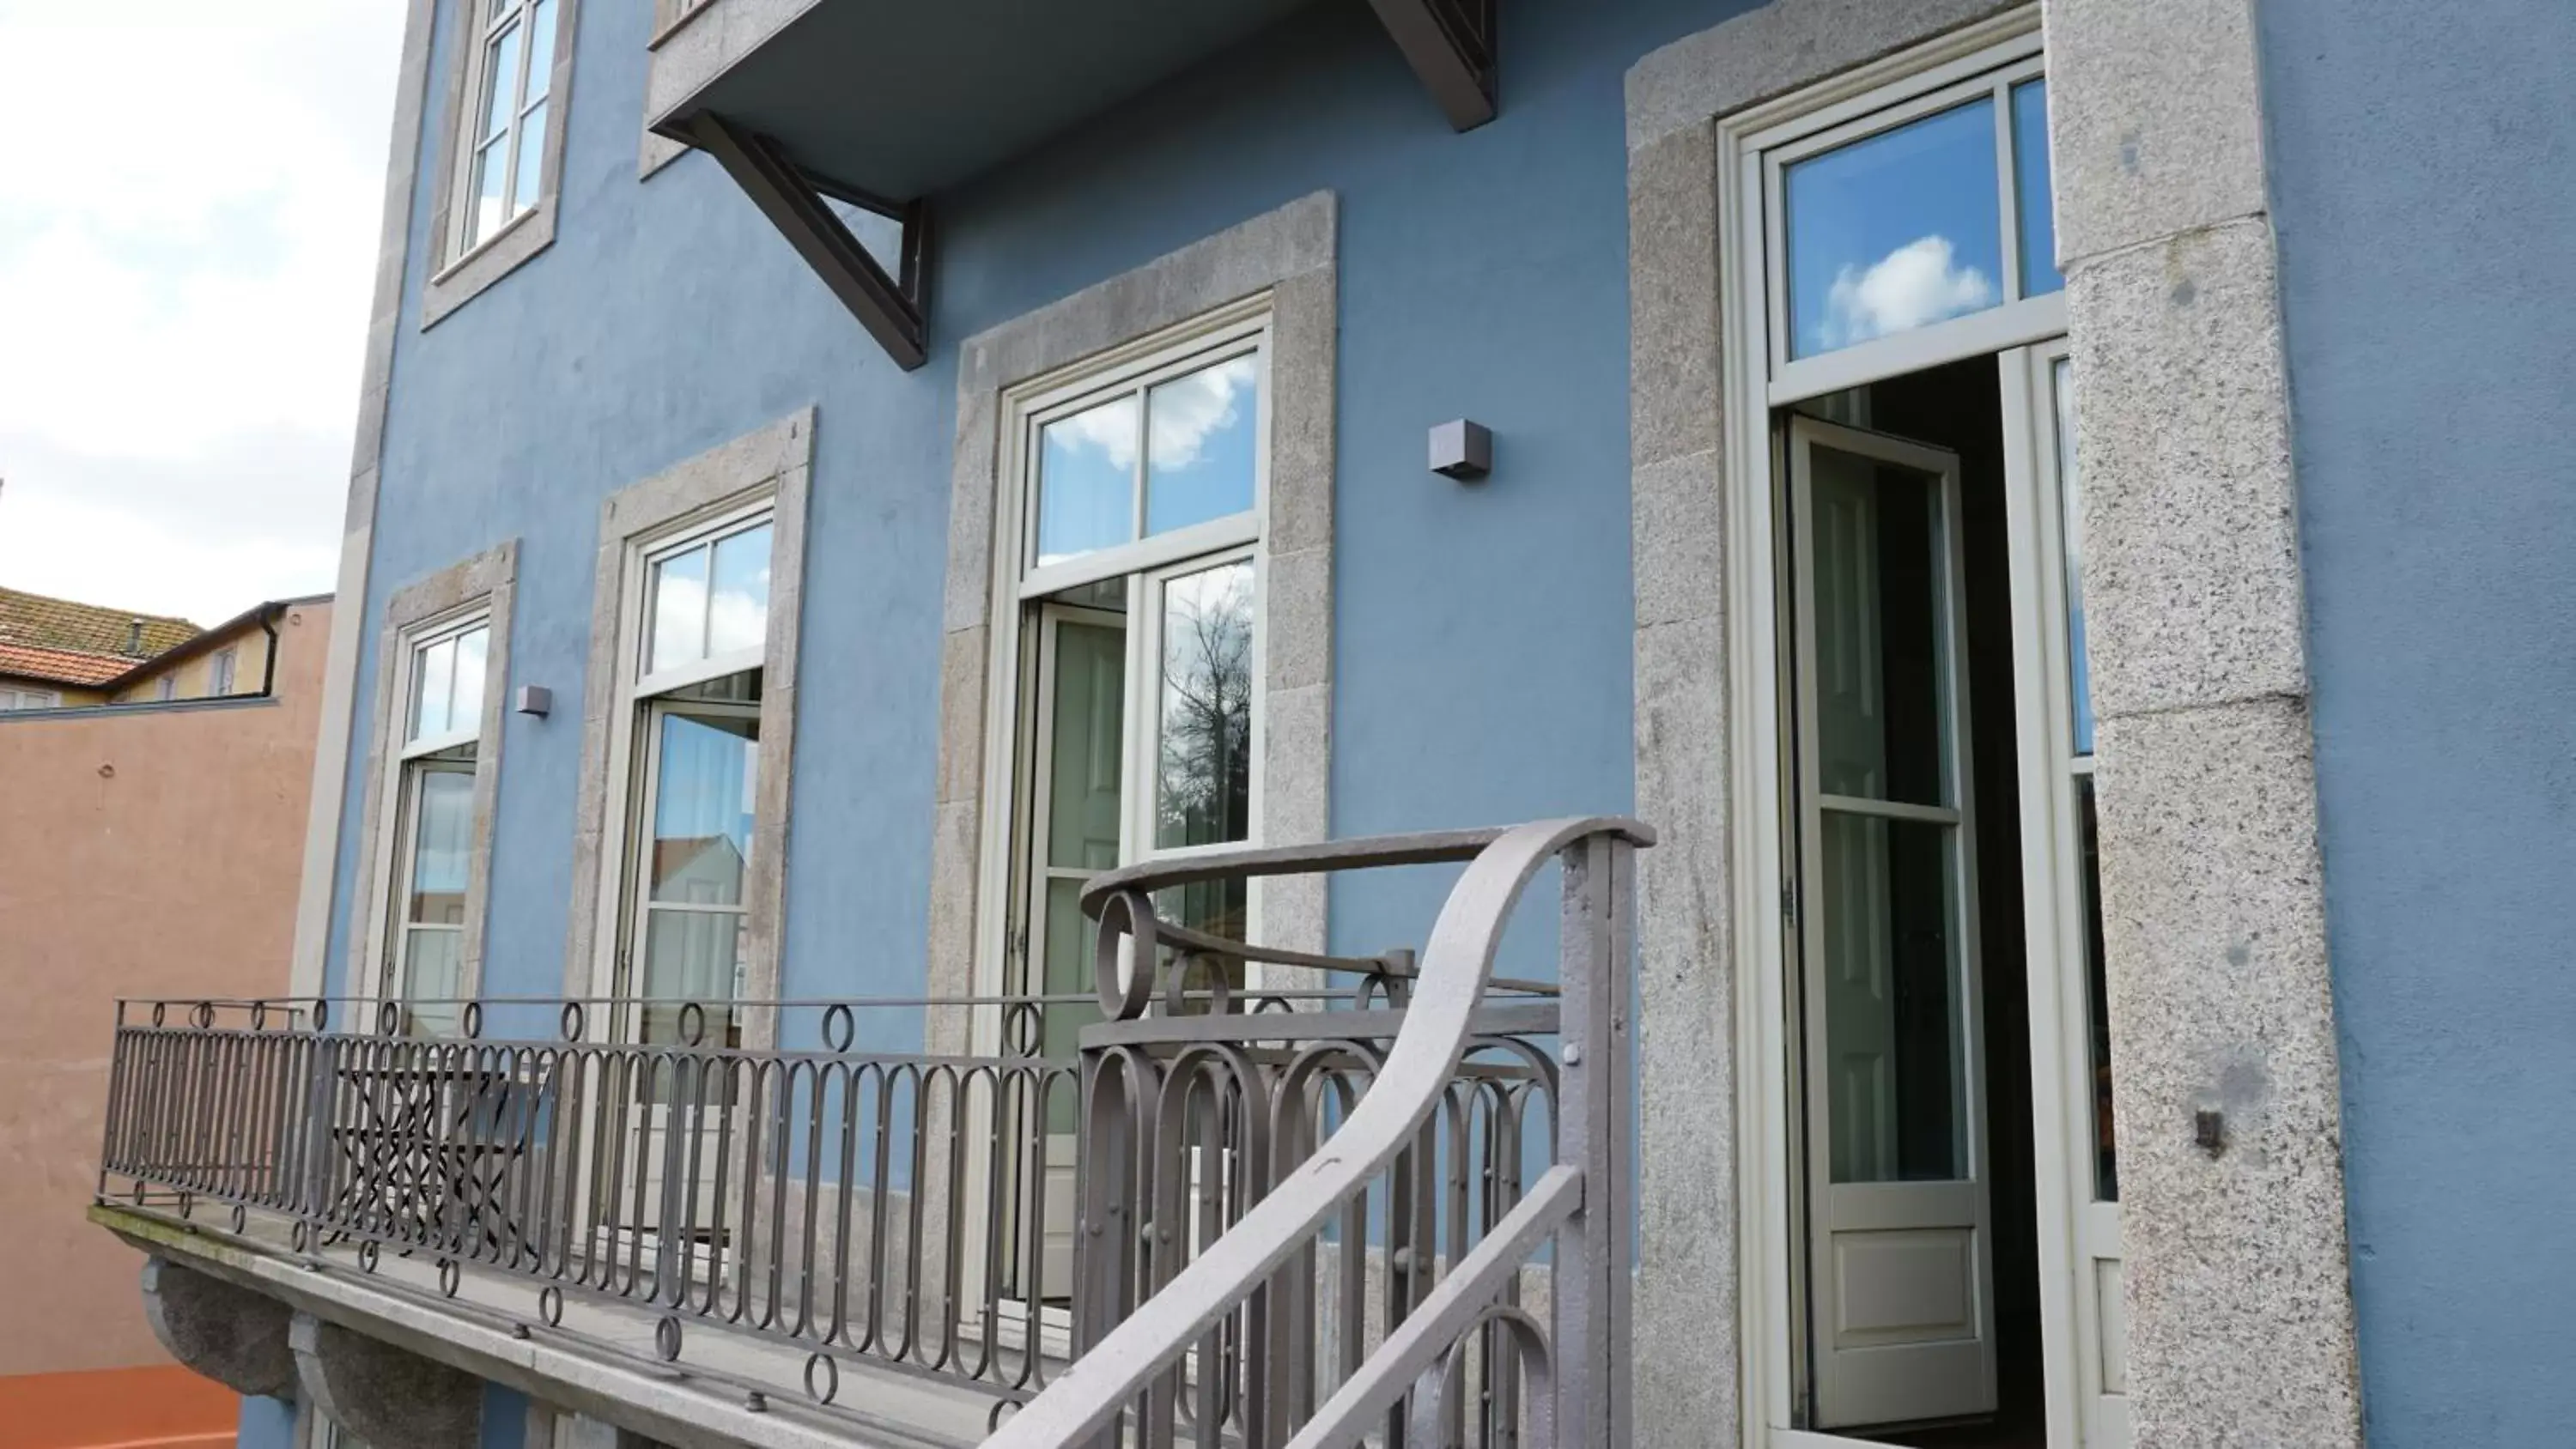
column 25, row 698
column 502, row 128
column 1124, row 718
column 440, row 727
column 219, row 672
column 698, row 631
column 1135, row 510
column 1906, row 225
column 166, row 688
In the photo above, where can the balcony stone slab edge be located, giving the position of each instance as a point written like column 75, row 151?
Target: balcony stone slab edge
column 670, row 1405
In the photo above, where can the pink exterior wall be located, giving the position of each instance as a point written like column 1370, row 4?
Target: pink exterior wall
column 151, row 853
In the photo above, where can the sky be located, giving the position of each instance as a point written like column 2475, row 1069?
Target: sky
column 186, row 257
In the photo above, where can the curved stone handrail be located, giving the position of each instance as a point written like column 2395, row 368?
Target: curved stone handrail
column 1456, row 965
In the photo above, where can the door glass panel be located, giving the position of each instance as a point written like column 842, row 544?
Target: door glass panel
column 2097, row 992
column 2079, row 669
column 738, row 597
column 1893, row 1001
column 433, row 909
column 2038, row 219
column 446, row 815
column 1087, row 480
column 1083, row 777
column 433, row 979
column 702, row 809
column 1894, row 231
column 1199, row 445
column 679, row 597
column 1880, row 646
column 1203, row 739
column 691, row 956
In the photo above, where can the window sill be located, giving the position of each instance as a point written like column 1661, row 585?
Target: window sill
column 475, row 252
column 495, row 257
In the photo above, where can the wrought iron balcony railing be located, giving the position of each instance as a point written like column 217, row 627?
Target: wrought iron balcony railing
column 1273, row 1198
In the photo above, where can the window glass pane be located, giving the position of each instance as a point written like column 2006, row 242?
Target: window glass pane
column 702, row 808
column 484, row 216
column 432, row 682
column 738, row 609
column 1087, row 481
column 500, row 82
column 1880, row 655
column 2038, row 220
column 678, row 591
column 531, row 172
column 1199, row 445
column 2079, row 669
column 1895, row 1084
column 1203, row 756
column 445, row 818
column 465, row 701
column 541, row 51
column 1894, row 231
column 2097, row 993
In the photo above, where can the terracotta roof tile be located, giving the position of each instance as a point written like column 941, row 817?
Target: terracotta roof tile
column 61, row 666
column 38, row 622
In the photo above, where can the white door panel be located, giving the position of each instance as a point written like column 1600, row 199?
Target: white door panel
column 1899, row 1244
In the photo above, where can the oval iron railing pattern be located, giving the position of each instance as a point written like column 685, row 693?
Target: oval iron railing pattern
column 1277, row 1197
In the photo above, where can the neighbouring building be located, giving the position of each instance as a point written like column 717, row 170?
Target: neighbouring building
column 146, row 851
column 236, row 657
column 960, row 518
column 56, row 654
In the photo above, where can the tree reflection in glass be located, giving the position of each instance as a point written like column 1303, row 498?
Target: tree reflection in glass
column 1203, row 757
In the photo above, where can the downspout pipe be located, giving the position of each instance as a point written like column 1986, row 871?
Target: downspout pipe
column 268, row 671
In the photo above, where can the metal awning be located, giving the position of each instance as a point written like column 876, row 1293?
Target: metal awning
column 880, row 103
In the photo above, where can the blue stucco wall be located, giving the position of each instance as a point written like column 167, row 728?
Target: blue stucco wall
column 2423, row 168
column 1482, row 649
column 1483, row 633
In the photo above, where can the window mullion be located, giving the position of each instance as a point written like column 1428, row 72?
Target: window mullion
column 707, row 604
column 1136, row 476
column 508, row 136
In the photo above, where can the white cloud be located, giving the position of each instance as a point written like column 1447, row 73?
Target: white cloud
column 1184, row 413
column 1109, row 430
column 1189, row 410
column 1918, row 283
column 186, row 256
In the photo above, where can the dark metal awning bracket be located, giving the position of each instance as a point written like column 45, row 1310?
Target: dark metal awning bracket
column 1450, row 45
column 894, row 309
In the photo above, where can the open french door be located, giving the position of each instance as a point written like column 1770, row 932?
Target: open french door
column 1898, row 1244
column 686, row 938
column 2070, row 1027
column 1075, row 805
